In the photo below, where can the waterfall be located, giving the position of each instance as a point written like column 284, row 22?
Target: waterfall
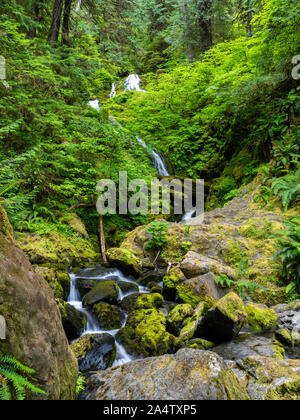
column 113, row 91
column 95, row 104
column 78, row 5
column 188, row 216
column 133, row 83
column 159, row 162
column 93, row 326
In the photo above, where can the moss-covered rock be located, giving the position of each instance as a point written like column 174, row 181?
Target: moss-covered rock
column 138, row 301
column 95, row 352
column 110, row 317
column 171, row 281
column 261, row 318
column 75, row 223
column 145, row 333
column 226, row 319
column 125, row 260
column 128, row 287
column 190, row 325
column 285, row 337
column 106, row 290
column 187, row 293
column 176, row 317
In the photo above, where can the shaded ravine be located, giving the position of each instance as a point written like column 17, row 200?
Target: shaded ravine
column 93, row 326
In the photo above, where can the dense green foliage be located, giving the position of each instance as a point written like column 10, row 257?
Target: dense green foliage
column 220, row 102
column 13, row 379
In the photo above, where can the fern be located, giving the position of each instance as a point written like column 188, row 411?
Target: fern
column 288, row 188
column 13, row 380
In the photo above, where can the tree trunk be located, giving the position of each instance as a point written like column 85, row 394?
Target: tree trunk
column 249, row 19
column 66, row 23
column 189, row 31
column 102, row 240
column 35, row 16
column 205, row 23
column 56, row 21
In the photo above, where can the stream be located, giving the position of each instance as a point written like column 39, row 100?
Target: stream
column 92, row 326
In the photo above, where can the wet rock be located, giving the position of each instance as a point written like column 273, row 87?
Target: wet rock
column 261, row 318
column 171, row 281
column 127, row 287
column 74, row 321
column 95, row 351
column 107, row 291
column 225, row 320
column 246, row 345
column 289, row 323
column 153, row 276
column 110, row 317
column 204, row 287
column 187, row 375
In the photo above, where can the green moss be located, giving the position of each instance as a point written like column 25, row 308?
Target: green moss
column 171, row 281
column 200, row 344
column 261, row 319
column 232, row 307
column 75, row 223
column 186, row 295
column 110, row 317
column 145, row 333
column 285, row 337
column 125, row 259
column 176, row 317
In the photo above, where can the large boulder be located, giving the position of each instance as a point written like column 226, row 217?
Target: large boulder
column 106, row 290
column 35, row 334
column 195, row 264
column 95, row 351
column 225, row 320
column 187, row 375
column 138, row 301
column 145, row 333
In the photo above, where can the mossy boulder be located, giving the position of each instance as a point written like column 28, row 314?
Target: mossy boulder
column 188, row 292
column 125, row 260
column 190, row 326
column 261, row 318
column 138, row 301
column 171, row 281
column 110, row 317
column 95, row 352
column 34, row 331
column 106, row 290
column 145, row 333
column 176, row 317
column 74, row 321
column 225, row 320
column 285, row 337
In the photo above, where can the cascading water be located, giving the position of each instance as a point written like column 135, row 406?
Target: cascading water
column 95, row 104
column 113, row 91
column 133, row 82
column 93, row 326
column 159, row 162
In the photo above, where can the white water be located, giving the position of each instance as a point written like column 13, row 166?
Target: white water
column 95, row 104
column 113, row 91
column 93, row 326
column 188, row 216
column 159, row 162
column 133, row 82
column 78, row 5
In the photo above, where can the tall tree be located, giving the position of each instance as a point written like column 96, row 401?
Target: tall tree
column 205, row 23
column 66, row 22
column 56, row 21
column 35, row 17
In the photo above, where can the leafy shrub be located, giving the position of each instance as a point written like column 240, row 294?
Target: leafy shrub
column 158, row 239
